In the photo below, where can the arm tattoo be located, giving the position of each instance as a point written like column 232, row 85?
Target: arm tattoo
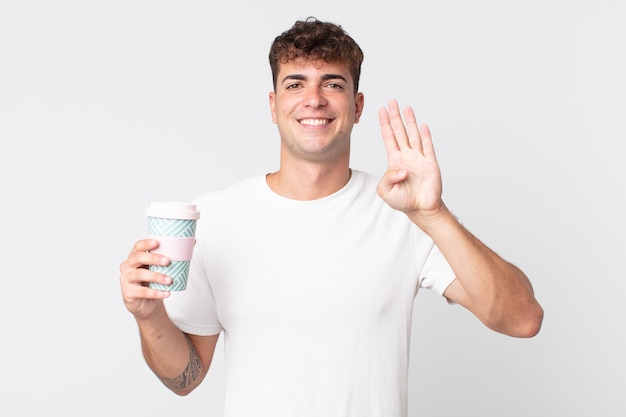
column 189, row 375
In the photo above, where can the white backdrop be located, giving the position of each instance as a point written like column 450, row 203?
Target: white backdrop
column 107, row 105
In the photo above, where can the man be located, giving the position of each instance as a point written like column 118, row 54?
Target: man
column 311, row 271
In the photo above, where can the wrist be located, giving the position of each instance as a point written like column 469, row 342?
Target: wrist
column 153, row 321
column 430, row 220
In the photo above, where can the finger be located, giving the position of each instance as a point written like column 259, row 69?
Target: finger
column 398, row 125
column 135, row 284
column 143, row 276
column 144, row 245
column 141, row 257
column 389, row 179
column 132, row 293
column 387, row 132
column 142, row 260
column 413, row 131
column 427, row 142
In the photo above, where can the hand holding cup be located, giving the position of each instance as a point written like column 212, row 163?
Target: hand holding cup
column 173, row 225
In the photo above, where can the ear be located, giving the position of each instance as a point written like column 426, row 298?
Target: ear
column 359, row 102
column 272, row 97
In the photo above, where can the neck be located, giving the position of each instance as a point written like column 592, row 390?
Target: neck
column 309, row 181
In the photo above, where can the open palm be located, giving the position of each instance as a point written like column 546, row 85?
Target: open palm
column 412, row 182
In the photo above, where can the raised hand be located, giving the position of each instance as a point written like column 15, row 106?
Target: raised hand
column 412, row 183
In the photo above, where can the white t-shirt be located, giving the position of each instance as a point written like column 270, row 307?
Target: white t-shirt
column 315, row 298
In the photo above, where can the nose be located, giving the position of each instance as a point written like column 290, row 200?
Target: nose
column 315, row 98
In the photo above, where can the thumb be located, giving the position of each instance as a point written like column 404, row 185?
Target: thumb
column 389, row 179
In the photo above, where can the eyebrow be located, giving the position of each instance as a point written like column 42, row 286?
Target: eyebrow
column 325, row 77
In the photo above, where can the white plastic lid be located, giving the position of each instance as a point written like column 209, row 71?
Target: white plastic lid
column 173, row 210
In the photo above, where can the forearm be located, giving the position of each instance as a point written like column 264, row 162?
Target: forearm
column 170, row 353
column 497, row 292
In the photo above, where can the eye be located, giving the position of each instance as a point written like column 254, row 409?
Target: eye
column 334, row 86
column 293, row 86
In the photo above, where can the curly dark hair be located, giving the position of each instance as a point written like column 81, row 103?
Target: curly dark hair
column 313, row 40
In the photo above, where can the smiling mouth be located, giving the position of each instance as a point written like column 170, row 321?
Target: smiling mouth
column 314, row 122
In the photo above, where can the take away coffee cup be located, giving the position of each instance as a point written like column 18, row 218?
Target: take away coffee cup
column 173, row 224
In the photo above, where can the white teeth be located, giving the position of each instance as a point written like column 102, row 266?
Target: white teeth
column 314, row 122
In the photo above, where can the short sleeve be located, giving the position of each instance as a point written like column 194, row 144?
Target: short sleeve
column 437, row 274
column 194, row 310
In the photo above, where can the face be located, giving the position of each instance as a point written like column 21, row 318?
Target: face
column 315, row 108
